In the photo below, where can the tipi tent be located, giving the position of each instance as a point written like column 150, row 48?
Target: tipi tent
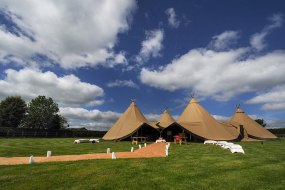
column 165, row 120
column 252, row 127
column 200, row 123
column 168, row 126
column 132, row 121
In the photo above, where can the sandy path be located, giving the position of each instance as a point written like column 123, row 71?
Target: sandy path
column 152, row 150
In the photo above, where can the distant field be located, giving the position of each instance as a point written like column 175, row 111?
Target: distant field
column 191, row 166
column 10, row 147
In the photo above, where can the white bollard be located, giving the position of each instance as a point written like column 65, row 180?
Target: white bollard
column 166, row 146
column 108, row 150
column 132, row 149
column 166, row 152
column 140, row 146
column 31, row 160
column 113, row 155
column 144, row 144
column 48, row 153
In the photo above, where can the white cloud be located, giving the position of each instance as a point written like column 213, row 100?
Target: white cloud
column 118, row 83
column 64, row 90
column 69, row 32
column 224, row 40
column 172, row 18
column 84, row 114
column 151, row 46
column 221, row 117
column 275, row 123
column 152, row 117
column 257, row 40
column 95, row 119
column 271, row 100
column 221, row 75
column 90, row 119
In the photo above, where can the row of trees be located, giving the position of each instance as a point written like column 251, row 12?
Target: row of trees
column 41, row 113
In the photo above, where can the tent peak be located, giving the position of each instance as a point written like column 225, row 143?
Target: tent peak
column 165, row 109
column 193, row 100
column 133, row 103
column 239, row 110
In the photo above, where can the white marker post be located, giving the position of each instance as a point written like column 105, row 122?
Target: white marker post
column 108, row 150
column 113, row 155
column 140, row 146
column 31, row 160
column 144, row 144
column 48, row 153
column 132, row 149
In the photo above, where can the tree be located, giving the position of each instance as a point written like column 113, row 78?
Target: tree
column 261, row 122
column 41, row 114
column 58, row 122
column 12, row 111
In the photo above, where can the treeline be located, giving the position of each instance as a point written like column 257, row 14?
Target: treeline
column 277, row 131
column 49, row 133
column 40, row 113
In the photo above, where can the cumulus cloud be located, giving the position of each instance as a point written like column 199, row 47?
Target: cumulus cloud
column 257, row 40
column 272, row 100
column 64, row 90
column 221, row 117
column 275, row 123
column 69, row 32
column 221, row 75
column 224, row 40
column 151, row 46
column 95, row 119
column 119, row 83
column 172, row 18
column 152, row 117
column 90, row 119
column 84, row 114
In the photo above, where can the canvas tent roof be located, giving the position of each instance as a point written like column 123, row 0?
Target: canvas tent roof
column 198, row 121
column 165, row 120
column 235, row 130
column 251, row 126
column 131, row 120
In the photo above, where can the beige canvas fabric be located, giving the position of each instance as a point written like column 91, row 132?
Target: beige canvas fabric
column 198, row 121
column 165, row 120
column 131, row 120
column 251, row 126
column 234, row 129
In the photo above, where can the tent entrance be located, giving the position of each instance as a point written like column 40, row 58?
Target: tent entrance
column 171, row 131
column 147, row 131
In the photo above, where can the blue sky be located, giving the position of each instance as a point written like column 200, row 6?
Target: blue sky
column 94, row 57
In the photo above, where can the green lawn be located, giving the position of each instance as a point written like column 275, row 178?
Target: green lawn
column 191, row 166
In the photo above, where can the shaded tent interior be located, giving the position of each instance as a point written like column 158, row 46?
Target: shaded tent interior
column 132, row 123
column 168, row 126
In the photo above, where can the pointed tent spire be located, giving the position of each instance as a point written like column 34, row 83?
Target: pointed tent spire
column 165, row 119
column 252, row 127
column 129, row 122
column 199, row 122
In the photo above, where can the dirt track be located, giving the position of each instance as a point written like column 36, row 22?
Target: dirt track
column 152, row 150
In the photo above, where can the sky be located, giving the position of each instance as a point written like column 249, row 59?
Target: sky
column 94, row 57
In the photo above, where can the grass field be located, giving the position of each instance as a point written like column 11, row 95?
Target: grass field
column 191, row 166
